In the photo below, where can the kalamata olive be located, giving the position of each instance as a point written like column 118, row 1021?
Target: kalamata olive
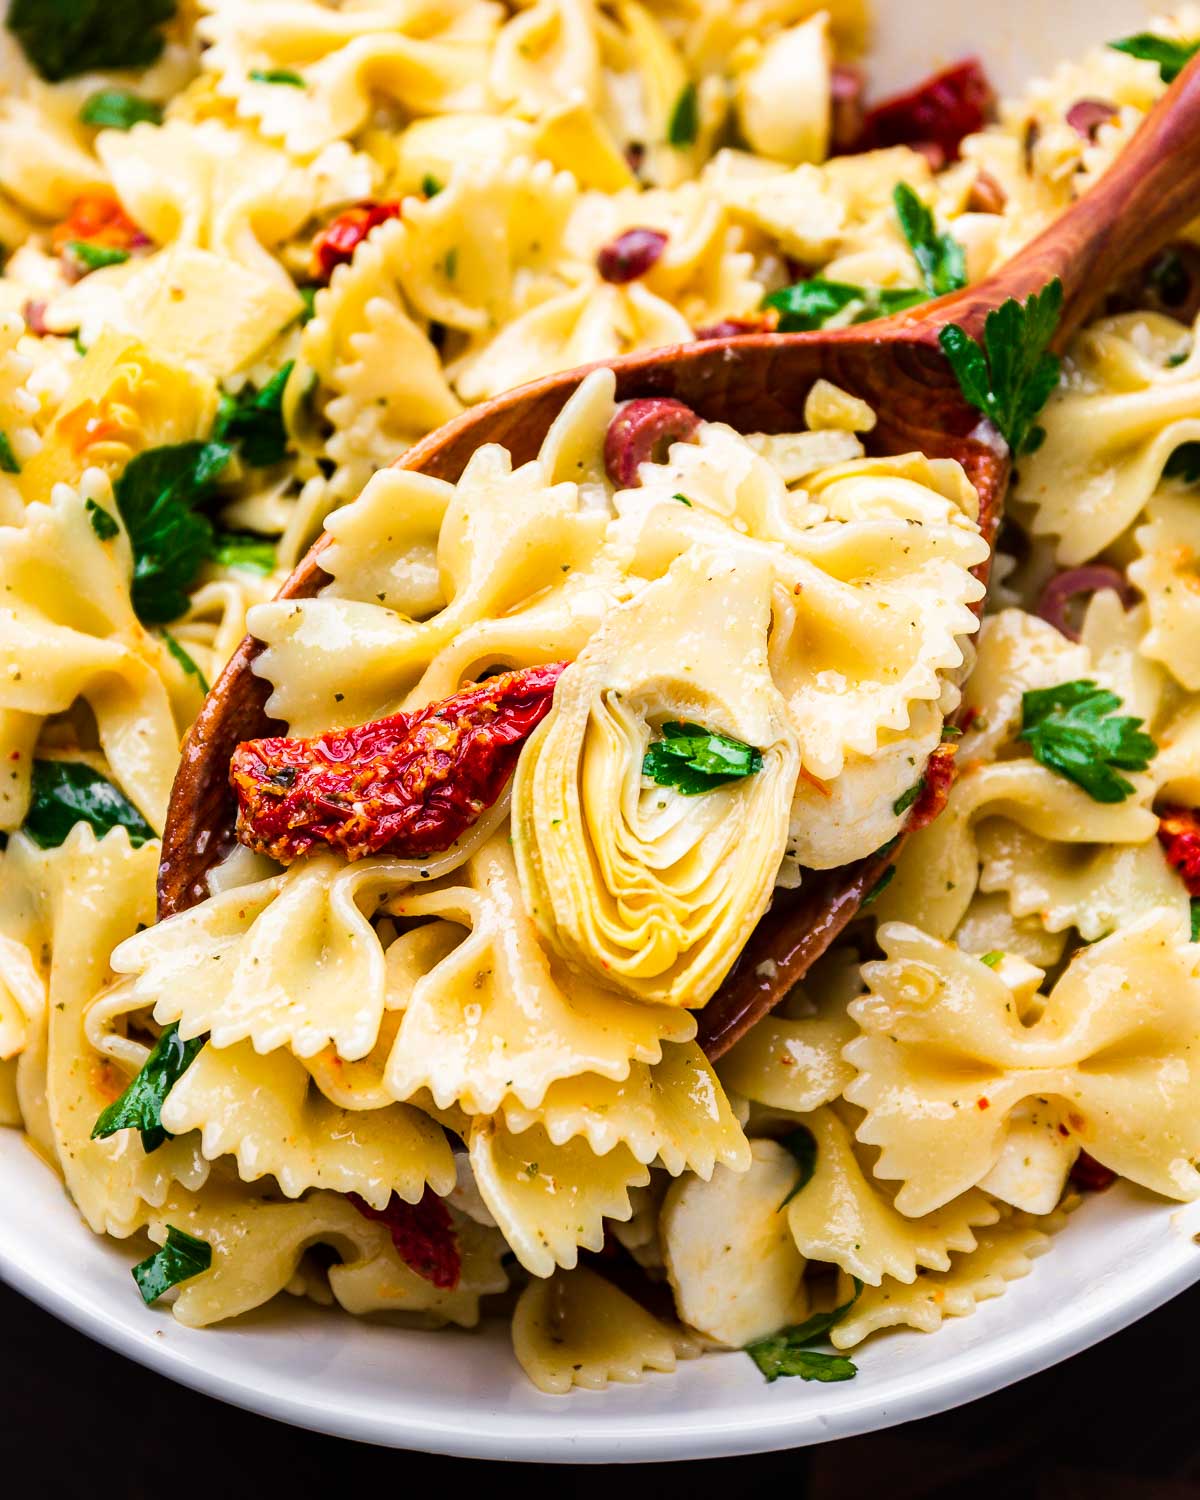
column 1086, row 116
column 1058, row 594
column 641, row 431
column 630, row 255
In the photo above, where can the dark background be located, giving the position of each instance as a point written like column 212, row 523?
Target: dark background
column 1119, row 1421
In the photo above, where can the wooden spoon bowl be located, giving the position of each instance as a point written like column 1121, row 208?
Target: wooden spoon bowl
column 759, row 383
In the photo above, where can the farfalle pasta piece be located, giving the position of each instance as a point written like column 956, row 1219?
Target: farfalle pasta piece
column 674, row 1112
column 383, row 1283
column 549, row 1200
column 733, row 1264
column 1168, row 545
column 68, row 631
column 784, row 99
column 496, row 1018
column 290, row 961
column 843, row 1215
column 576, row 1329
column 257, row 1245
column 945, row 1058
column 18, row 412
column 502, row 538
column 426, row 58
column 654, row 892
column 1005, row 1252
column 24, row 949
column 261, row 1111
column 1110, row 432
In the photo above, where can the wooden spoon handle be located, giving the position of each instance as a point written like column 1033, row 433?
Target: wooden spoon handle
column 1145, row 198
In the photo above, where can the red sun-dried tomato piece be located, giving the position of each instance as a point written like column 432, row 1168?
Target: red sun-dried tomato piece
column 1088, row 1174
column 407, row 785
column 642, row 429
column 341, row 237
column 939, row 112
column 423, row 1234
column 1179, row 834
column 630, row 255
column 96, row 218
column 935, row 785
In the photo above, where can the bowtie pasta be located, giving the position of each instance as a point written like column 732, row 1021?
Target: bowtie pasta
column 447, row 1066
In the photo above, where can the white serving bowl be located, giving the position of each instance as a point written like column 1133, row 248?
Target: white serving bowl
column 1123, row 1253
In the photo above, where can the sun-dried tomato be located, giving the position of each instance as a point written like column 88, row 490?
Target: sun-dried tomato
column 423, row 1234
column 340, row 238
column 1088, row 1174
column 1179, row 834
column 407, row 785
column 935, row 116
column 96, row 218
column 935, row 785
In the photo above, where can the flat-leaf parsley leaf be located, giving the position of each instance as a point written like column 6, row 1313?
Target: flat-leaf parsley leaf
column 808, row 305
column 140, row 1106
column 1011, row 377
column 1171, row 57
column 694, row 759
column 791, row 1351
column 1074, row 729
column 253, row 420
column 64, row 38
column 942, row 260
column 182, row 1257
column 66, row 792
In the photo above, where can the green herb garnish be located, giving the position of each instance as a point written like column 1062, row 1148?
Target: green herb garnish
column 103, row 524
column 1012, row 380
column 683, row 126
column 1195, row 907
column 253, row 419
column 791, row 1351
column 8, row 459
column 1171, row 57
column 906, row 799
column 308, row 295
column 683, row 500
column 157, row 496
column 694, row 759
column 803, row 1145
column 880, row 885
column 185, row 661
column 808, row 305
column 66, row 792
column 237, row 549
column 430, row 186
column 992, row 958
column 942, row 259
column 119, row 109
column 140, row 1106
column 182, row 1257
column 96, row 257
column 277, row 75
column 1073, row 729
column 64, row 38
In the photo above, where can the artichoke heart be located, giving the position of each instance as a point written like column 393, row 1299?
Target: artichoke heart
column 652, row 889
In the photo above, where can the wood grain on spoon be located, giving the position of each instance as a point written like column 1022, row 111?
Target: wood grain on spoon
column 759, row 383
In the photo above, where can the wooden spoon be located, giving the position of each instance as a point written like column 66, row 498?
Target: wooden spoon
column 758, row 383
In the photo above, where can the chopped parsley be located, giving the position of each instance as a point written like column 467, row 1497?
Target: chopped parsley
column 992, row 958
column 1073, row 729
column 791, row 1351
column 140, row 1106
column 880, row 885
column 158, row 495
column 119, row 109
column 694, row 759
column 683, row 500
column 808, row 305
column 103, row 524
column 1195, row 905
column 185, row 661
column 430, row 186
column 181, row 1257
column 245, row 550
column 308, row 295
column 906, row 799
column 803, row 1145
column 683, row 125
column 1010, row 379
column 8, row 459
column 64, row 38
column 277, row 75
column 253, row 419
column 942, row 260
column 1171, row 57
column 66, row 792
column 95, row 257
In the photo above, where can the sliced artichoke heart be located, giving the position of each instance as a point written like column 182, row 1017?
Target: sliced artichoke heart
column 650, row 889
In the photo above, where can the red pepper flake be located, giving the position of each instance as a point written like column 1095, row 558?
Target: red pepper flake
column 1090, row 1176
column 935, row 116
column 630, row 255
column 935, row 785
column 337, row 242
column 423, row 1234
column 983, row 1104
column 1179, row 834
column 407, row 785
